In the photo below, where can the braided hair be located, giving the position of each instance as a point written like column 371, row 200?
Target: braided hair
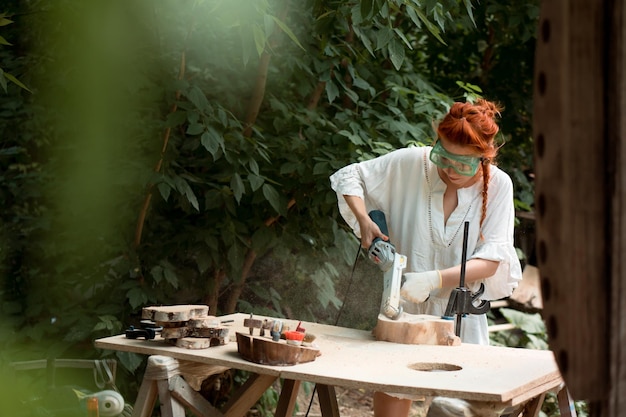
column 474, row 125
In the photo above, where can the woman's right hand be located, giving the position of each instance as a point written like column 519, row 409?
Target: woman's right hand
column 369, row 232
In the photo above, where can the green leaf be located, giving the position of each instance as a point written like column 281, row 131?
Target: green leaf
column 272, row 196
column 16, row 81
column 366, row 8
column 383, row 37
column 130, row 361
column 259, row 39
column 170, row 277
column 404, row 39
column 157, row 273
column 4, row 41
column 255, row 181
column 176, row 118
column 529, row 323
column 3, row 80
column 136, row 297
column 195, row 129
column 236, row 184
column 396, row 53
column 331, row 91
column 197, row 97
column 288, row 31
column 183, row 187
column 164, row 190
column 469, row 7
column 211, row 140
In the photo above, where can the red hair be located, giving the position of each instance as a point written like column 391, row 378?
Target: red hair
column 474, row 125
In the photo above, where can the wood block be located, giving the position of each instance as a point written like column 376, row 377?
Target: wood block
column 265, row 351
column 528, row 292
column 198, row 342
column 416, row 329
column 175, row 332
column 204, row 322
column 214, row 333
column 174, row 313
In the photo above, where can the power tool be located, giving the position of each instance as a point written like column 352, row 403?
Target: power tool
column 384, row 254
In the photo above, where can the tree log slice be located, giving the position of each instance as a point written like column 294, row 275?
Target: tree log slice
column 265, row 351
column 416, row 329
column 174, row 313
column 175, row 332
column 204, row 322
column 198, row 342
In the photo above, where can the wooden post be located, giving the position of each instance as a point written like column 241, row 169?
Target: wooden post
column 616, row 114
column 580, row 194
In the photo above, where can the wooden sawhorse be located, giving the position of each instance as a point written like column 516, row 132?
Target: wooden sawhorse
column 164, row 380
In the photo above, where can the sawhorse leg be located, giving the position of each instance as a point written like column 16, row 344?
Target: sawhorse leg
column 162, row 380
column 533, row 407
column 155, row 385
column 328, row 400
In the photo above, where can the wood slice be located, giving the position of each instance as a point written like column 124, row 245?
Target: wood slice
column 416, row 329
column 174, row 313
column 267, row 352
column 198, row 342
column 175, row 332
column 220, row 333
column 204, row 322
column 169, row 324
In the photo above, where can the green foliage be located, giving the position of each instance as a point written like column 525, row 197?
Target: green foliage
column 180, row 152
column 530, row 331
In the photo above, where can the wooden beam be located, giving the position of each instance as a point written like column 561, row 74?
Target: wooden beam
column 572, row 189
column 616, row 102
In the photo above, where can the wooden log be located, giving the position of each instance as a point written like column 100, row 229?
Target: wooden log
column 198, row 342
column 175, row 332
column 416, row 329
column 204, row 322
column 267, row 352
column 174, row 313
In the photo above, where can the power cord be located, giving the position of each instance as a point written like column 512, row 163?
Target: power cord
column 343, row 303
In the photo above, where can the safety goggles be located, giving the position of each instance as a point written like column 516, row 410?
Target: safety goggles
column 462, row 164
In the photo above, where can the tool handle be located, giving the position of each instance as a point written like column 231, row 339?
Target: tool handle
column 379, row 218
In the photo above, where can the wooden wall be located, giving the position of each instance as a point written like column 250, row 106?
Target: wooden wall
column 579, row 116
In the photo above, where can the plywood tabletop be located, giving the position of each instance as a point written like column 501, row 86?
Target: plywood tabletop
column 354, row 359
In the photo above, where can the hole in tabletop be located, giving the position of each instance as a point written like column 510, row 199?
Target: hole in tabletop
column 434, row 367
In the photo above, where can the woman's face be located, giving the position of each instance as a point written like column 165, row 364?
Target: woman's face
column 451, row 176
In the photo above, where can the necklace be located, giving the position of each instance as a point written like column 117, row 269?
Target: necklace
column 430, row 217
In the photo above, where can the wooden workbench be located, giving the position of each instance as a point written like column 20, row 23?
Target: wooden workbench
column 503, row 377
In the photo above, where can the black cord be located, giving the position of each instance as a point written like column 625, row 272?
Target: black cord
column 358, row 253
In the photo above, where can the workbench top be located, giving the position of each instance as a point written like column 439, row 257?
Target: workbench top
column 354, row 359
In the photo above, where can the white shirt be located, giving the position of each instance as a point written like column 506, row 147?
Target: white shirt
column 406, row 186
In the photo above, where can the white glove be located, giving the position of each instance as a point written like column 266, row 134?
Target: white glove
column 418, row 285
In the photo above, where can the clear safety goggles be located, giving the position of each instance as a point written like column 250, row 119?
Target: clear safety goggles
column 462, row 164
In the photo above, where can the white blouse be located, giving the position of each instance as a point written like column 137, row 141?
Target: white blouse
column 405, row 185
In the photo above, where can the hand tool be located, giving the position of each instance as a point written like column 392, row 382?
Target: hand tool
column 461, row 301
column 384, row 254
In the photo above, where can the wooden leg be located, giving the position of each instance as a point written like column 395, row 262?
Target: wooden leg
column 533, row 407
column 566, row 404
column 288, row 396
column 328, row 400
column 146, row 398
column 159, row 368
column 248, row 395
column 195, row 402
column 169, row 406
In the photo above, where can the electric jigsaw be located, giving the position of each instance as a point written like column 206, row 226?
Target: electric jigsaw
column 384, row 255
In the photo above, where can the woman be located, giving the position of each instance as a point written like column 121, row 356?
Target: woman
column 427, row 194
